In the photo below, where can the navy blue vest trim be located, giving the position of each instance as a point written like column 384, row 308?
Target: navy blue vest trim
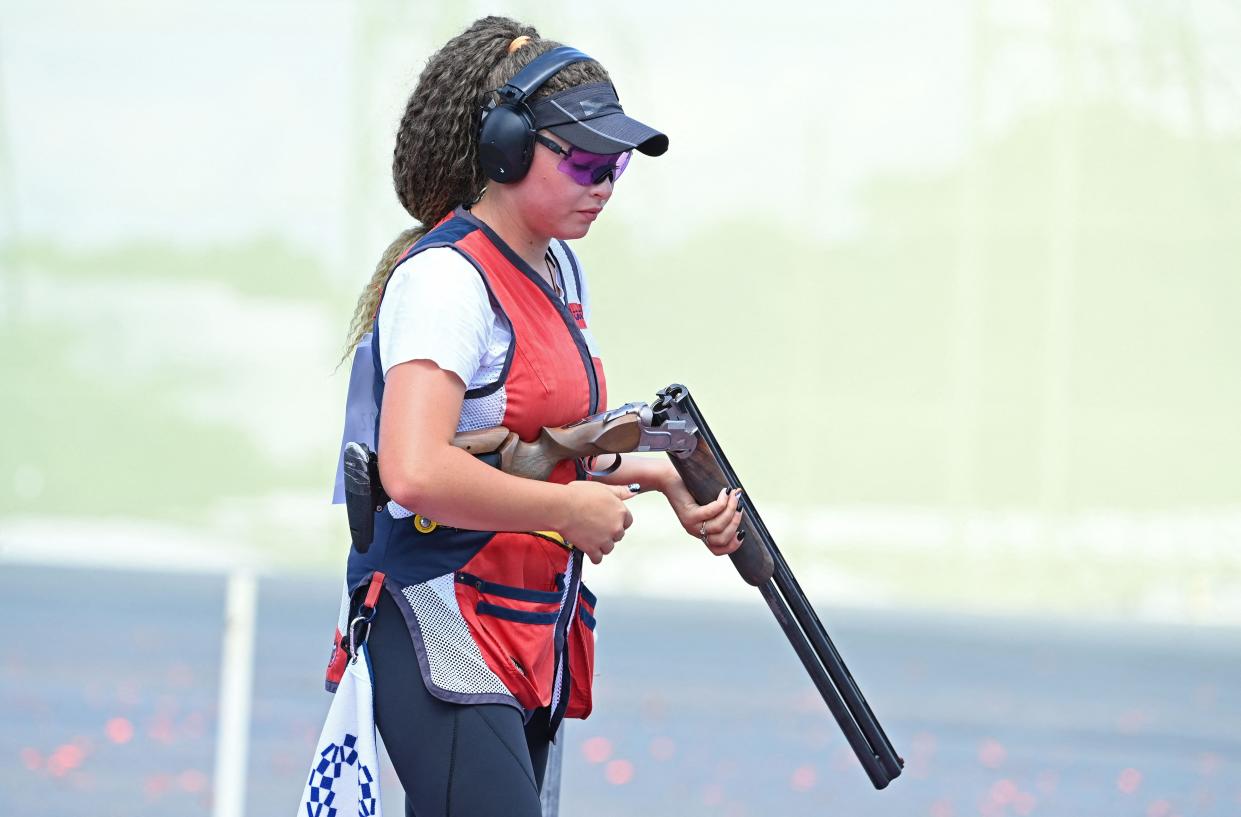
column 509, row 614
column 379, row 372
column 449, row 232
column 412, row 557
column 577, row 273
column 508, row 591
column 588, row 596
column 561, row 644
column 587, row 618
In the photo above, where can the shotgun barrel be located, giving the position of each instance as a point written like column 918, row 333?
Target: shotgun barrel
column 705, row 470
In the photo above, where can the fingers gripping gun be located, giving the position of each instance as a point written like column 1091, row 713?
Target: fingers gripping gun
column 675, row 425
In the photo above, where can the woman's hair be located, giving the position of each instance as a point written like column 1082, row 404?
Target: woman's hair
column 435, row 165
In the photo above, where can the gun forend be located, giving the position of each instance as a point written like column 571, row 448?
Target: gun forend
column 705, row 471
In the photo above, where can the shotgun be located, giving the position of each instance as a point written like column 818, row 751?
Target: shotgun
column 675, row 425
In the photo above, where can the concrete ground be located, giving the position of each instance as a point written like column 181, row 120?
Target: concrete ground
column 109, row 683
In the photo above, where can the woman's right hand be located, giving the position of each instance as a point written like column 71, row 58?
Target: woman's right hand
column 597, row 517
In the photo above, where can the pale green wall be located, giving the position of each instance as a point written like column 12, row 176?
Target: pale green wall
column 978, row 259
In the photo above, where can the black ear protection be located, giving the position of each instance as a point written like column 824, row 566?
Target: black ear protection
column 506, row 140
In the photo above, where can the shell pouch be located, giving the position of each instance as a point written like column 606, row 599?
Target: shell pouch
column 514, row 629
column 581, row 655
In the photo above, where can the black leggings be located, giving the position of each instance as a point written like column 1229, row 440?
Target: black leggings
column 452, row 759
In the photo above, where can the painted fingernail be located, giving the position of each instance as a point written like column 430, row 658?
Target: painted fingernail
column 635, row 487
column 741, row 536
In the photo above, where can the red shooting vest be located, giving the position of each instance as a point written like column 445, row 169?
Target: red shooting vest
column 500, row 617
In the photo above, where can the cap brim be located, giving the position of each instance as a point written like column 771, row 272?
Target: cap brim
column 612, row 133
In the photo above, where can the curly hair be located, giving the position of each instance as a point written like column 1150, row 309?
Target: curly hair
column 435, row 164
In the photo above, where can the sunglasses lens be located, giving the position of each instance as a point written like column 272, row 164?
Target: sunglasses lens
column 622, row 162
column 592, row 168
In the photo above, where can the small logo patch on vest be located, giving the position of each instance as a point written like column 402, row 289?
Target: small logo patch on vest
column 576, row 311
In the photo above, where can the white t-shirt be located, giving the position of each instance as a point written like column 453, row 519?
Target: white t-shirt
column 436, row 308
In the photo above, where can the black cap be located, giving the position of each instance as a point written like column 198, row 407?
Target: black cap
column 590, row 117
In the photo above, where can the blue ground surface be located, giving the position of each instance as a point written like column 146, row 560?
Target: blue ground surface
column 108, row 687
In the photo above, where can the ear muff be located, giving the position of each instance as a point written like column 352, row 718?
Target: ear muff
column 506, row 143
column 506, row 138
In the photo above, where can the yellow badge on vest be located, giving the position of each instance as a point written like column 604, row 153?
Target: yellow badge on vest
column 551, row 535
column 424, row 525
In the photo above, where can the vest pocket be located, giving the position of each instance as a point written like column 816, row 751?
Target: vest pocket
column 520, row 616
column 529, row 364
column 514, row 628
column 582, row 656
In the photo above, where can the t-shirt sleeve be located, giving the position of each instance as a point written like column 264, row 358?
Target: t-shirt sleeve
column 435, row 308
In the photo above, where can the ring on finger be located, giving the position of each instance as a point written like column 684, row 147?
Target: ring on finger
column 702, row 533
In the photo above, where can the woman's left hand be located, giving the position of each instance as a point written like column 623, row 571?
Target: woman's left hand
column 715, row 523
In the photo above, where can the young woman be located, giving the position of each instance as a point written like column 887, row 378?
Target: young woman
column 482, row 640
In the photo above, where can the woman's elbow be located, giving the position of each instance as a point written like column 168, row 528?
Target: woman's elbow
column 409, row 487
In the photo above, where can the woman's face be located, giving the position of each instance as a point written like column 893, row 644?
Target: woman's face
column 550, row 202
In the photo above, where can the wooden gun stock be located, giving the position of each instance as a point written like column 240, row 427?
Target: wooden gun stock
column 538, row 458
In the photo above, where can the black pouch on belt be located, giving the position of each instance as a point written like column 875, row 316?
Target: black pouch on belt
column 364, row 496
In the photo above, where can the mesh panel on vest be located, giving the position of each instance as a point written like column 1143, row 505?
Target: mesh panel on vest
column 483, row 412
column 452, row 656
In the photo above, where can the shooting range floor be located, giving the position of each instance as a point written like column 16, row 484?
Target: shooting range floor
column 109, row 680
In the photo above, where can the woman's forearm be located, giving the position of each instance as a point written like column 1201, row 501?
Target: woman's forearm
column 454, row 488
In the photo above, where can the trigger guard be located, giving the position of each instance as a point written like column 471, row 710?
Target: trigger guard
column 604, row 473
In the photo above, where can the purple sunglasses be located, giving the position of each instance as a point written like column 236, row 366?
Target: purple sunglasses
column 584, row 167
